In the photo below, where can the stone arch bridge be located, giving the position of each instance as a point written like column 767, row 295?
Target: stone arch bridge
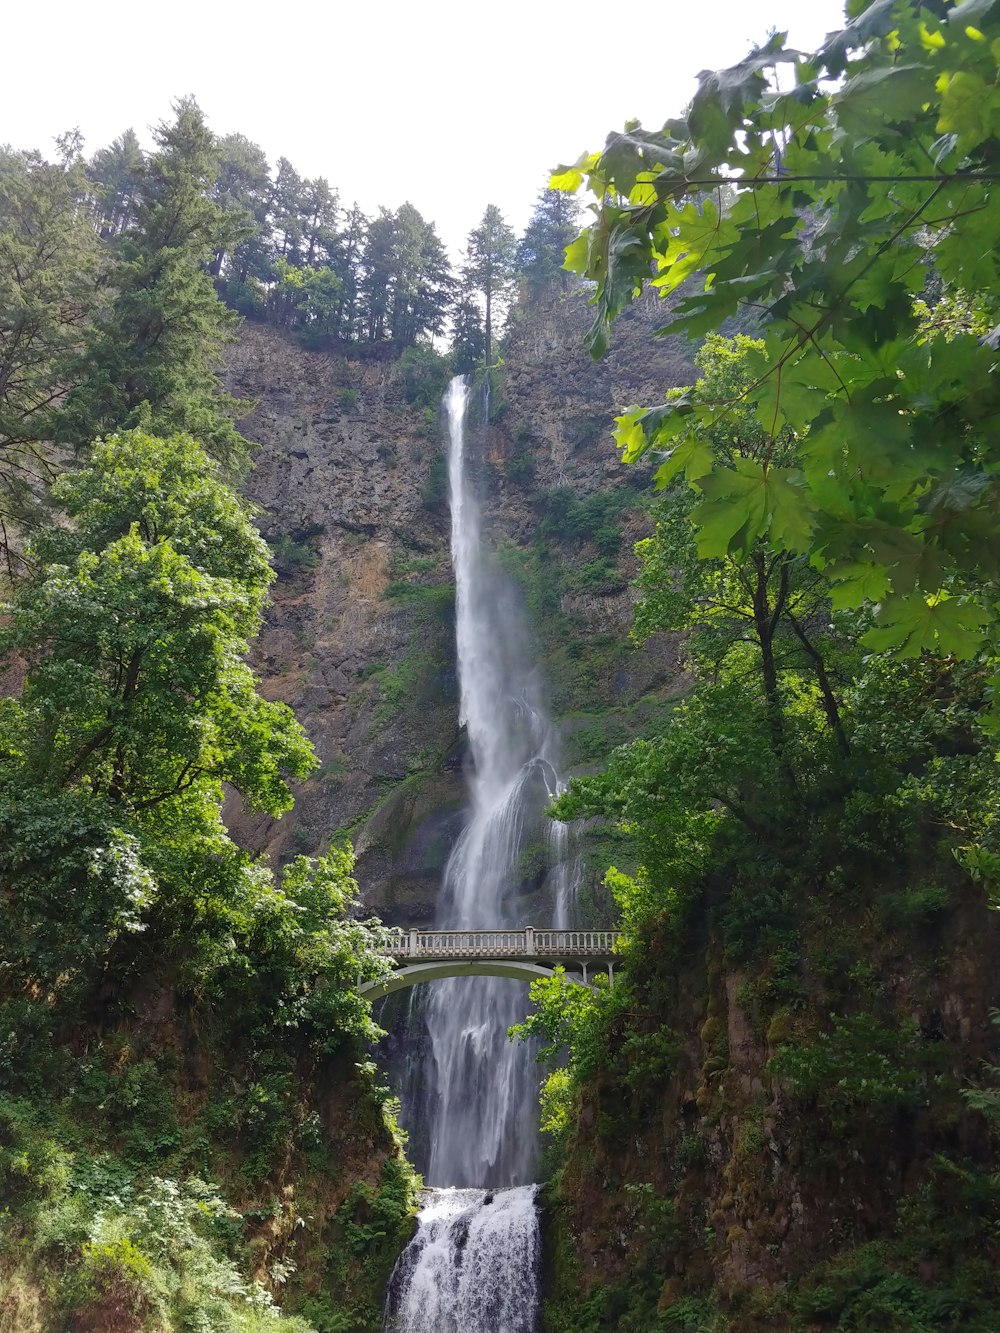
column 524, row 955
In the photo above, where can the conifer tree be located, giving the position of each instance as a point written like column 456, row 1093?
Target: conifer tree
column 116, row 173
column 49, row 262
column 468, row 337
column 541, row 251
column 243, row 188
column 153, row 360
column 489, row 267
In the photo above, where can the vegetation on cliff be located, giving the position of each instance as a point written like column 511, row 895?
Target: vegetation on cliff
column 173, row 1012
column 189, row 1123
column 780, row 1117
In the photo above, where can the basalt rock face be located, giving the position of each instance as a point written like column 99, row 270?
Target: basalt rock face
column 718, row 1191
column 359, row 640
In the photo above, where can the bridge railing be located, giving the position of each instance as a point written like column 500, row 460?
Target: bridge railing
column 528, row 942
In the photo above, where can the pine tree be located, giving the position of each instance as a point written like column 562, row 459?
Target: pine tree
column 49, row 294
column 489, row 267
column 243, row 188
column 153, row 360
column 421, row 284
column 287, row 207
column 468, row 337
column 554, row 224
column 116, row 173
column 377, row 272
column 320, row 210
column 347, row 266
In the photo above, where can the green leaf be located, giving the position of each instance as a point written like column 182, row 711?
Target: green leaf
column 853, row 583
column 881, row 94
column 971, row 12
column 693, row 457
column 908, row 626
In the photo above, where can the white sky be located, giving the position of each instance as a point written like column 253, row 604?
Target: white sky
column 449, row 105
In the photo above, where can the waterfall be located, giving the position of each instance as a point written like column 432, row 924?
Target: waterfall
column 473, row 1262
column 483, row 1108
column 472, row 1266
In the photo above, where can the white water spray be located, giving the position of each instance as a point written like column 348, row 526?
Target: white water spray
column 472, row 1266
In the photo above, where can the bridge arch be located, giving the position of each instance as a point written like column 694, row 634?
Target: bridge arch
column 523, row 954
column 416, row 973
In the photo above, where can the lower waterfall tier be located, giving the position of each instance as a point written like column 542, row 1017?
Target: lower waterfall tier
column 472, row 1265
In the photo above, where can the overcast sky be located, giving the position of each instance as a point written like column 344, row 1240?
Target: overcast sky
column 449, row 105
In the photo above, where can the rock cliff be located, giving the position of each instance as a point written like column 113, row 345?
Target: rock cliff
column 350, row 481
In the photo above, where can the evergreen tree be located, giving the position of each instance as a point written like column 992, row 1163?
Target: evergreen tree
column 347, row 266
column 320, row 208
column 468, row 337
column 243, row 188
column 436, row 289
column 287, row 206
column 153, row 359
column 377, row 266
column 49, row 264
column 554, row 224
column 116, row 174
column 421, row 283
column 489, row 267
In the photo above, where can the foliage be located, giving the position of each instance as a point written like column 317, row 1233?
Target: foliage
column 425, row 375
column 488, row 271
column 859, row 1063
column 167, row 1250
column 822, row 208
column 593, row 518
column 123, row 892
column 49, row 263
column 540, row 251
column 152, row 359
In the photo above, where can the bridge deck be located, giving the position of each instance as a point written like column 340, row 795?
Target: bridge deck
column 529, row 943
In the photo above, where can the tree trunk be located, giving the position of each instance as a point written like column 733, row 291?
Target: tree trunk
column 766, row 620
column 830, row 706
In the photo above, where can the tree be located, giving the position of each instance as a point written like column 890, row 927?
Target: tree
column 768, row 599
column 468, row 337
column 320, row 210
column 422, row 282
column 822, row 209
column 153, row 358
column 49, row 296
column 137, row 624
column 243, row 188
column 138, row 704
column 541, row 251
column 347, row 268
column 490, row 251
column 138, row 709
column 377, row 266
column 116, row 173
column 287, row 206
column 406, row 283
column 311, row 297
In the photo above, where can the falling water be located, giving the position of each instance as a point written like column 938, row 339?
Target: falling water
column 473, row 1262
column 483, row 1115
column 472, row 1266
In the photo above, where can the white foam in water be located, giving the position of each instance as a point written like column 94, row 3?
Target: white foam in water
column 472, row 1266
